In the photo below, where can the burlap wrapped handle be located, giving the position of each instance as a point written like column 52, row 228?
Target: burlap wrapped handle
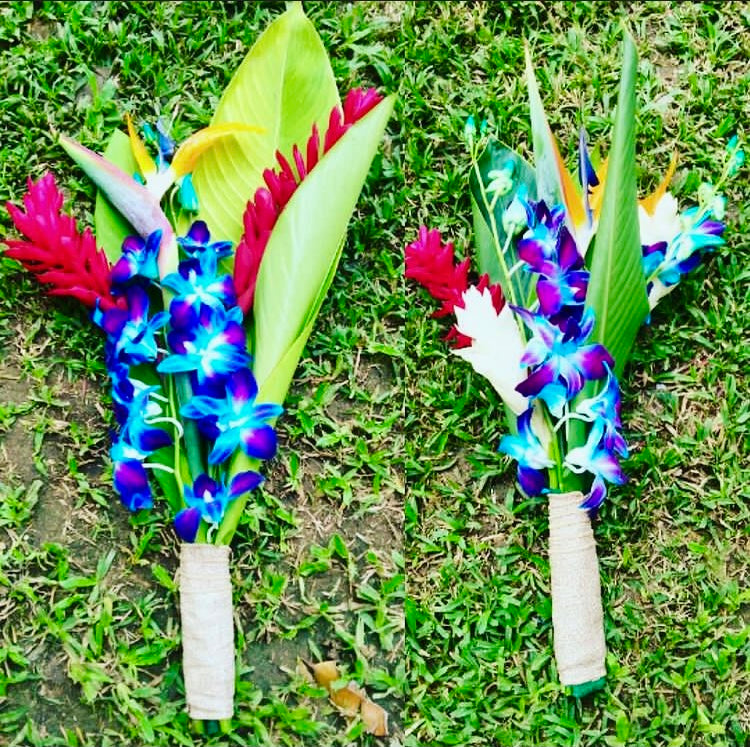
column 207, row 631
column 577, row 618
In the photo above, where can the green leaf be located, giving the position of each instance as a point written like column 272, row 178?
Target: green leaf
column 284, row 85
column 617, row 287
column 554, row 184
column 494, row 257
column 110, row 227
column 303, row 249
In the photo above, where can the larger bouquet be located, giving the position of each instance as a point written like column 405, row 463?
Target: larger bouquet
column 570, row 271
column 210, row 264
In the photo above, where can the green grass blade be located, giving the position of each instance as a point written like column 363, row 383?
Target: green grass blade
column 617, row 287
column 284, row 85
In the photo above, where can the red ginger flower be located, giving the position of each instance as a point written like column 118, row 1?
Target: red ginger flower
column 432, row 263
column 55, row 251
column 264, row 209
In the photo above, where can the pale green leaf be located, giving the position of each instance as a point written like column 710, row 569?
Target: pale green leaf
column 285, row 85
column 298, row 268
column 110, row 227
column 306, row 240
column 617, row 287
column 273, row 390
column 554, row 184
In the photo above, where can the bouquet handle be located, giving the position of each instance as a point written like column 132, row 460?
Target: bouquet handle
column 207, row 631
column 577, row 617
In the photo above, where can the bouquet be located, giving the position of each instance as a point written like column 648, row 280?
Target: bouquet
column 570, row 271
column 208, row 266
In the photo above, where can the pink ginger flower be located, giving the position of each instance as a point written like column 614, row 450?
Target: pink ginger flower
column 55, row 251
column 264, row 209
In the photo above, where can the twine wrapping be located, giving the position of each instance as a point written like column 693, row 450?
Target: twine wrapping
column 207, row 631
column 577, row 618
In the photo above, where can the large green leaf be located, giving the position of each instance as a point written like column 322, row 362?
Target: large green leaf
column 617, row 287
column 306, row 241
column 273, row 390
column 111, row 227
column 285, row 85
column 495, row 258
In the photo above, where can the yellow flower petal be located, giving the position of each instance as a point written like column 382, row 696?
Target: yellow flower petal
column 188, row 153
column 145, row 163
column 649, row 203
column 570, row 193
column 597, row 192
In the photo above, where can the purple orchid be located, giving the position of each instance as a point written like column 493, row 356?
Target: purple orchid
column 605, row 408
column 596, row 456
column 532, row 457
column 559, row 357
column 236, row 420
column 196, row 283
column 208, row 499
column 131, row 482
column 131, row 334
column 553, row 255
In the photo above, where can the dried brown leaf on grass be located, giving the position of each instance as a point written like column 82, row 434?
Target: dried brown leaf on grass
column 350, row 699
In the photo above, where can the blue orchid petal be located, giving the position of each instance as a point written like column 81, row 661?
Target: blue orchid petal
column 224, row 446
column 244, row 482
column 186, row 523
column 259, row 443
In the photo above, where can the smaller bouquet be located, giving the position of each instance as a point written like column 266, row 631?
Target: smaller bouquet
column 216, row 258
column 569, row 273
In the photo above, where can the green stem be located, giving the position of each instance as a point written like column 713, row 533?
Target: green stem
column 191, row 436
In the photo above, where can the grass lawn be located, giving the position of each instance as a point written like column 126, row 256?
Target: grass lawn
column 389, row 534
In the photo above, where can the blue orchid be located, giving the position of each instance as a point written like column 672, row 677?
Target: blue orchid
column 131, row 482
column 559, row 357
column 196, row 283
column 139, row 259
column 596, row 456
column 208, row 499
column 210, row 342
column 532, row 457
column 131, row 334
column 549, row 250
column 198, row 241
column 236, row 420
column 605, row 408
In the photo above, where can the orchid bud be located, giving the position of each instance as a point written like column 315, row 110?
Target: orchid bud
column 514, row 217
column 501, row 180
column 470, row 129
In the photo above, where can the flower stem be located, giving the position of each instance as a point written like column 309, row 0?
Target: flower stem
column 191, row 435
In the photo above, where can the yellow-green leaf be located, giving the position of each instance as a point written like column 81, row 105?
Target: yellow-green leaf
column 284, row 85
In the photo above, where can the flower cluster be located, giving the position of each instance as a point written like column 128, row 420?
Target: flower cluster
column 432, row 263
column 207, row 347
column 673, row 242
column 560, row 361
column 131, row 341
column 264, row 209
column 55, row 251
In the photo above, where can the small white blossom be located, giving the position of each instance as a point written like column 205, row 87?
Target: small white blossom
column 496, row 345
column 661, row 225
